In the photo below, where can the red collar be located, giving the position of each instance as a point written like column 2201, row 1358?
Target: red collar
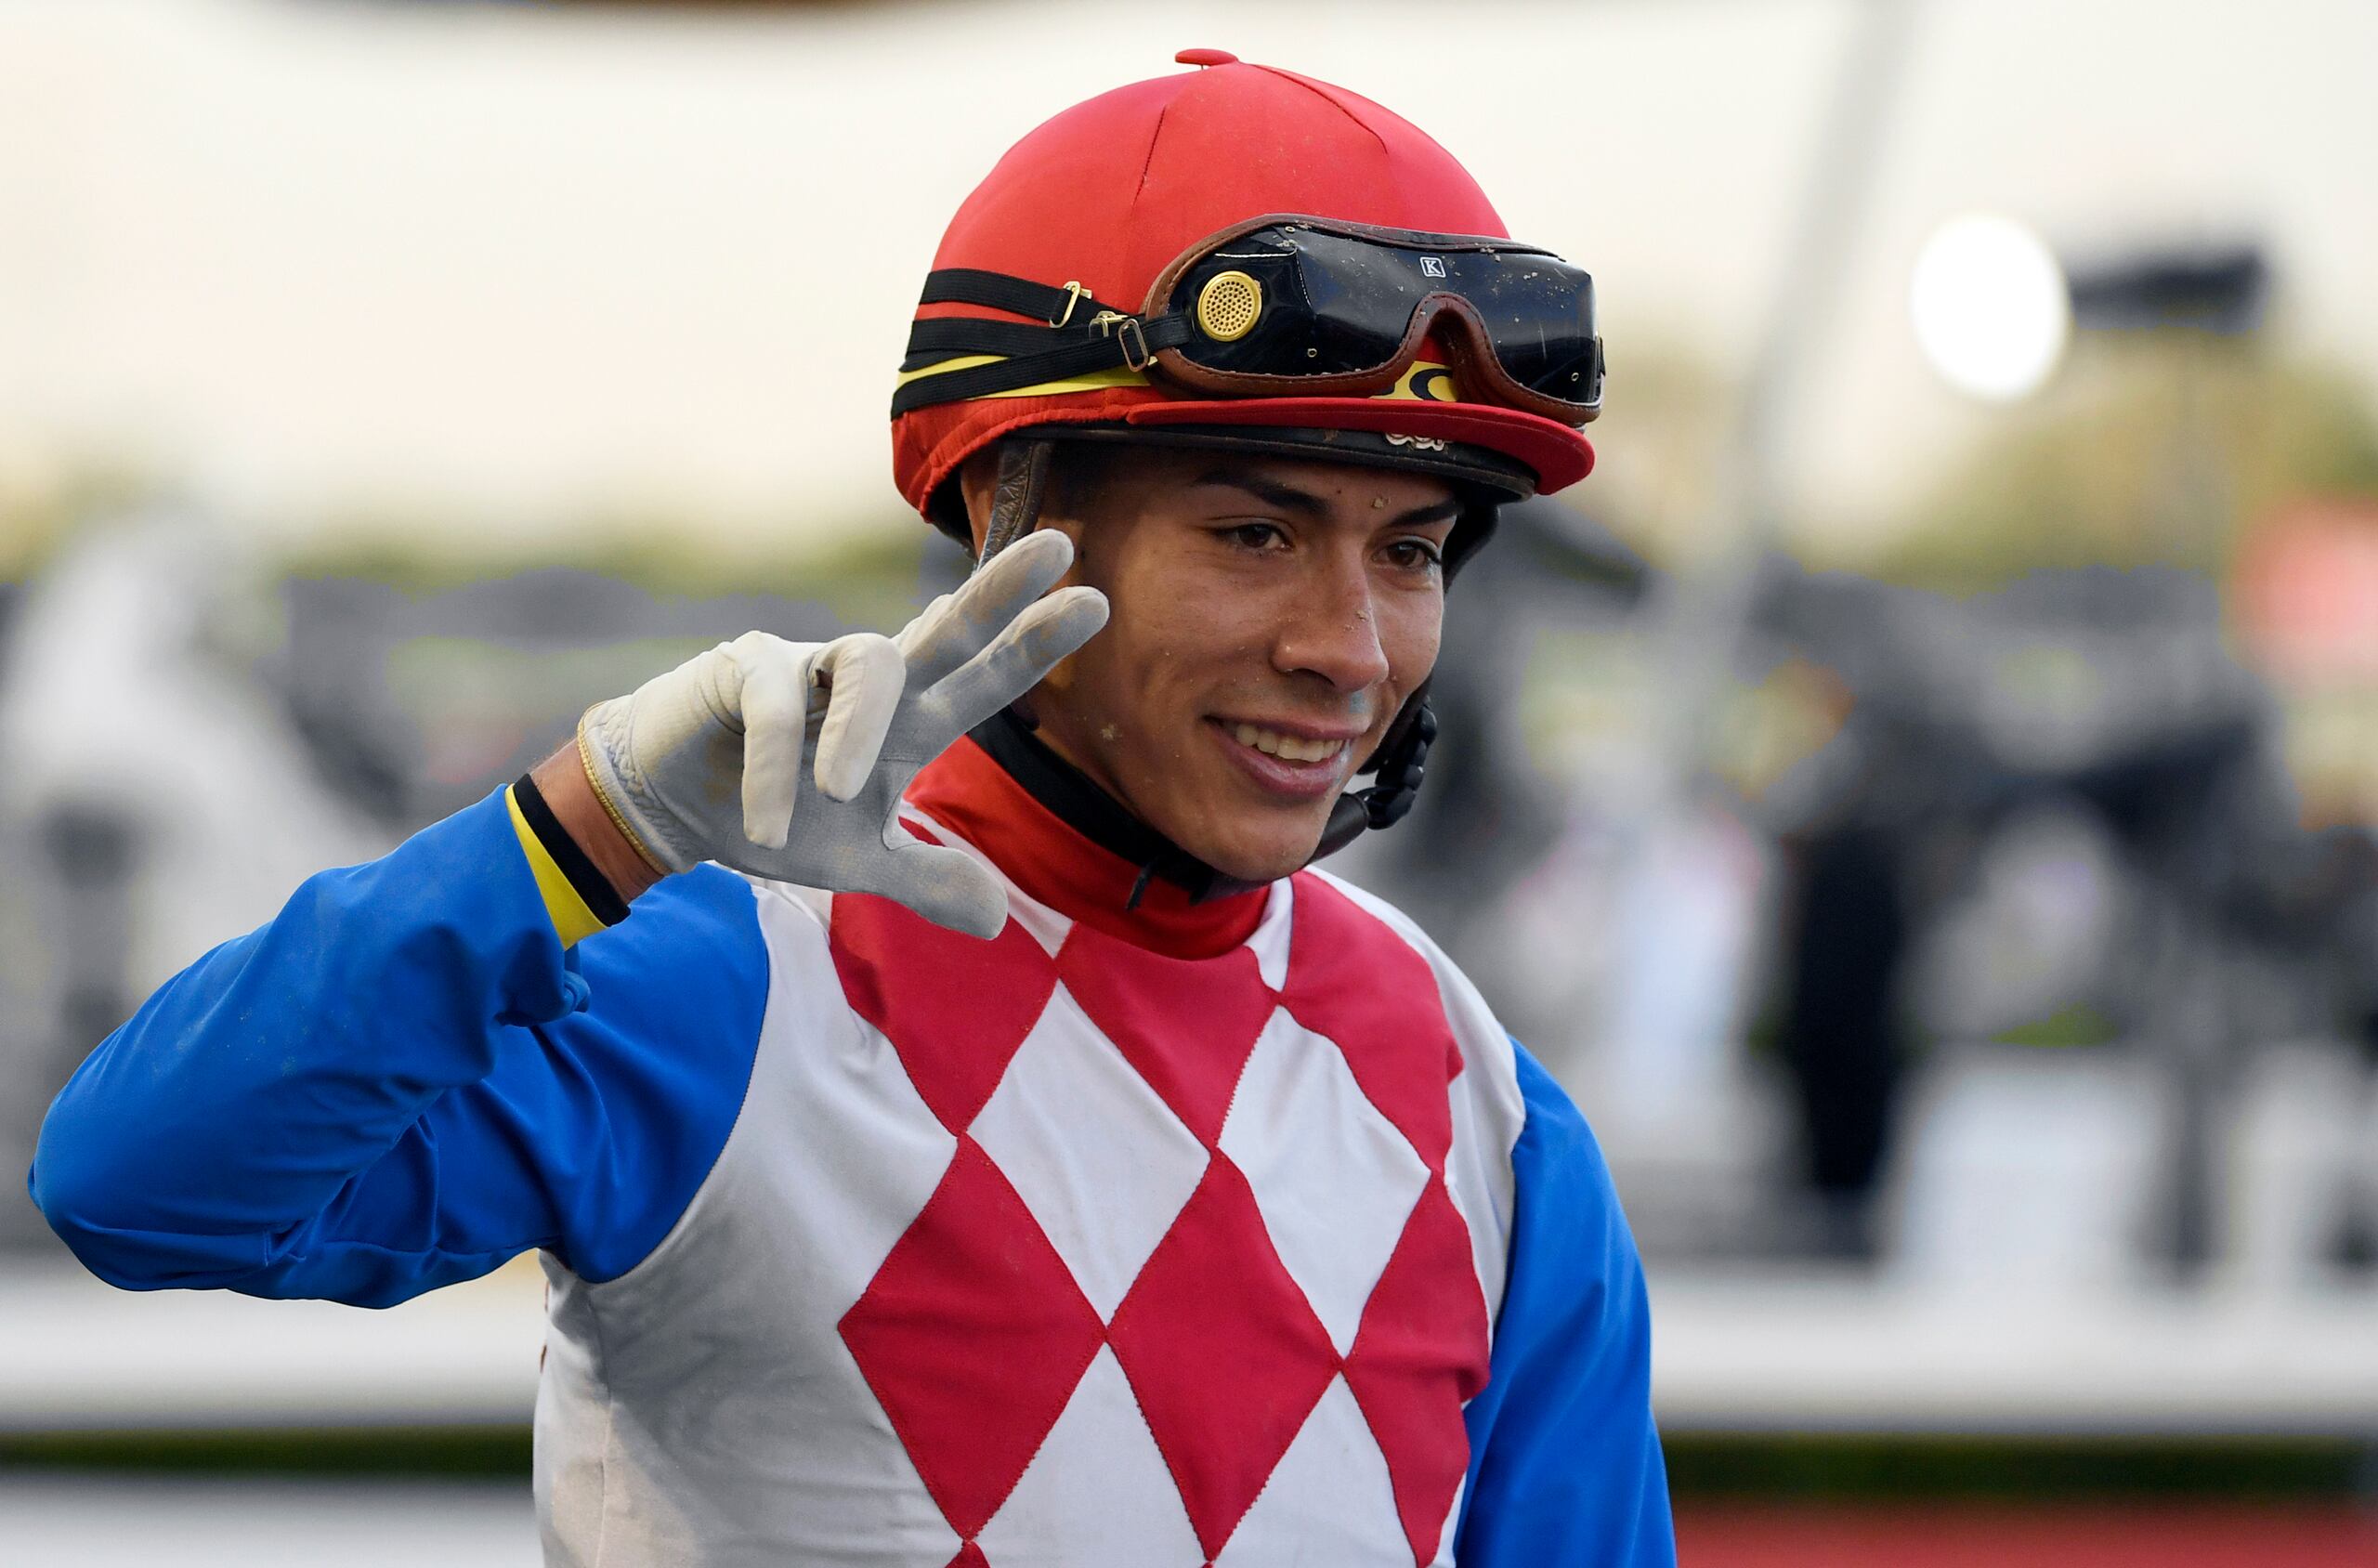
column 973, row 796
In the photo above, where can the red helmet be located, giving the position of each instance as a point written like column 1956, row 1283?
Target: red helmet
column 1102, row 202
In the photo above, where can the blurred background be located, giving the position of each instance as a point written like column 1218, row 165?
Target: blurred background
column 1921, row 794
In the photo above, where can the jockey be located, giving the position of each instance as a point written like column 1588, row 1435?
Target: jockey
column 958, row 1122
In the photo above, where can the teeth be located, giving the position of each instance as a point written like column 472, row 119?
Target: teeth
column 1287, row 748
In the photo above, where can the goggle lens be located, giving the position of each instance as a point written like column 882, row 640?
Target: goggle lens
column 1288, row 300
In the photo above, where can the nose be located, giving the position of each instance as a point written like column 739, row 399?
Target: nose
column 1334, row 633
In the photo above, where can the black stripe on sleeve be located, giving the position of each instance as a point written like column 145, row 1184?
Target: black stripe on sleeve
column 603, row 900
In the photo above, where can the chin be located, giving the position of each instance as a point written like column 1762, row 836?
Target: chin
column 1262, row 857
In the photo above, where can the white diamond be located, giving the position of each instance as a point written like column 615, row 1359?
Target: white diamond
column 1333, row 1178
column 1270, row 942
column 1097, row 1494
column 832, row 1159
column 828, row 1097
column 1330, row 1499
column 1098, row 1158
column 1040, row 922
column 1487, row 1110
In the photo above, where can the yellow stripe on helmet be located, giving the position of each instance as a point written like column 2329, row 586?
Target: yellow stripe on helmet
column 1426, row 382
column 1096, row 380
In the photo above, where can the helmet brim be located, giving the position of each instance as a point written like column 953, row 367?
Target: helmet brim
column 1557, row 454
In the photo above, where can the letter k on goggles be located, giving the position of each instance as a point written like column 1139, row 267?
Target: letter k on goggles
column 1284, row 306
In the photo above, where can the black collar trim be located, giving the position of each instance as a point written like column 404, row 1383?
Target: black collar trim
column 1096, row 815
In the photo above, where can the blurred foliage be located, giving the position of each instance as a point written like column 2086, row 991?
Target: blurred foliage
column 1656, row 454
column 1762, row 732
column 2153, row 448
column 42, row 503
column 2074, row 1026
column 866, row 571
column 867, row 575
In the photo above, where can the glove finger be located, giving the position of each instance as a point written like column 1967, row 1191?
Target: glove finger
column 958, row 625
column 920, row 641
column 867, row 675
column 948, row 887
column 1031, row 647
column 776, row 721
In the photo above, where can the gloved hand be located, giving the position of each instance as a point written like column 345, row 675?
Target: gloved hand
column 705, row 763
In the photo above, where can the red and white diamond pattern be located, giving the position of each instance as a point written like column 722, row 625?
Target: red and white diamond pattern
column 1331, row 1485
column 1098, row 1159
column 1333, row 1178
column 1191, row 1290
column 1099, row 1449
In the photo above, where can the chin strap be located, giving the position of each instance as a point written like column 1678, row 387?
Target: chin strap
column 1398, row 766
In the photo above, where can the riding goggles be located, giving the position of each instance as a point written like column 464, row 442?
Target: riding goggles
column 1284, row 306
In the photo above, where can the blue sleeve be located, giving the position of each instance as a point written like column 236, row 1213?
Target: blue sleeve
column 1564, row 1462
column 402, row 1081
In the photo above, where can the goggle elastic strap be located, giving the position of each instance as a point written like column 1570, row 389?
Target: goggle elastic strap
column 1081, row 337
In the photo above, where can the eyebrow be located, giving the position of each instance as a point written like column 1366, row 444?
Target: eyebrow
column 1290, row 499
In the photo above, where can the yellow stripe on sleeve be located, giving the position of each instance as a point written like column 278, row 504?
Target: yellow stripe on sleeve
column 573, row 922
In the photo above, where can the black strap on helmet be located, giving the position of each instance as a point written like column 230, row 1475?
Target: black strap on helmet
column 1076, row 335
column 1017, row 296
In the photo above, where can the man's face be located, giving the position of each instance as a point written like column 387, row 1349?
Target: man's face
column 1269, row 616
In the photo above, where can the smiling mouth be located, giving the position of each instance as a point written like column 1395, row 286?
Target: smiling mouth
column 1294, row 768
column 1287, row 748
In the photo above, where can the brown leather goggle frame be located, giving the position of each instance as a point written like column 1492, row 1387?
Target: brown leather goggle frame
column 1468, row 343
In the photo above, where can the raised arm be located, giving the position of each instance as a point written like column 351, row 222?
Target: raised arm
column 398, row 1083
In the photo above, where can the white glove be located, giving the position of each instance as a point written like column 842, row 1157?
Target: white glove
column 705, row 763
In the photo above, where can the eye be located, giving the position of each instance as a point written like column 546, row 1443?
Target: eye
column 1253, row 536
column 1416, row 554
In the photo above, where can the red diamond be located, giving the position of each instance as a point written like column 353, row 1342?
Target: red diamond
column 1420, row 1355
column 954, row 1007
column 1225, row 1355
column 972, row 1335
column 969, row 1556
column 1354, row 980
column 1187, row 1026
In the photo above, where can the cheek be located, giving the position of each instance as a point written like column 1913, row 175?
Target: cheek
column 1409, row 634
column 1182, row 634
column 1128, row 682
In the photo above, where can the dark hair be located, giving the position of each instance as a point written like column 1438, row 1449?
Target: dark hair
column 1077, row 472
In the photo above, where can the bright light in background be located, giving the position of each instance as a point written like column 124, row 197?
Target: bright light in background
column 1989, row 306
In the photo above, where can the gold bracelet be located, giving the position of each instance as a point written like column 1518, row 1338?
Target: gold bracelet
column 586, row 764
